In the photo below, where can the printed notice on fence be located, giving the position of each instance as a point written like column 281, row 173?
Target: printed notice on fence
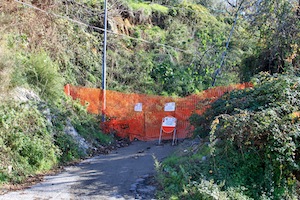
column 170, row 106
column 138, row 107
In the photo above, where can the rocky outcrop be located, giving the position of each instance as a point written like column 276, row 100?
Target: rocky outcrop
column 82, row 143
column 24, row 95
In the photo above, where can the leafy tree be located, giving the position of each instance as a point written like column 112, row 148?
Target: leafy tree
column 276, row 27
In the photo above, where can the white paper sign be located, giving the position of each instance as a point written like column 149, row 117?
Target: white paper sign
column 169, row 121
column 170, row 106
column 138, row 107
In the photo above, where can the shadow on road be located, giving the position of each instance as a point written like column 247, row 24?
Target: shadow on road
column 102, row 177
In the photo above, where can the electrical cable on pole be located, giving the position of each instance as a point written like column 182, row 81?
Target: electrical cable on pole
column 102, row 29
column 104, row 64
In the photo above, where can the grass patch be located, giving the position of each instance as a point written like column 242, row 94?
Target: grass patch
column 147, row 8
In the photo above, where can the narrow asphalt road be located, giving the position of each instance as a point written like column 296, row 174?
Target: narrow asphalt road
column 104, row 177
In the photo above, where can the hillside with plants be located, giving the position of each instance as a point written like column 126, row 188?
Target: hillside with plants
column 250, row 147
column 158, row 47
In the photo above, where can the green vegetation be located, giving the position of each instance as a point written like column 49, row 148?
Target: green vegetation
column 147, row 8
column 32, row 132
column 253, row 149
column 163, row 47
column 26, row 142
column 40, row 73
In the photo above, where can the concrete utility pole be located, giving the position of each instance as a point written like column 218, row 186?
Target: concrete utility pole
column 104, row 64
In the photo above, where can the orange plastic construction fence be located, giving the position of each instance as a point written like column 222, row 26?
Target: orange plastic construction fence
column 124, row 121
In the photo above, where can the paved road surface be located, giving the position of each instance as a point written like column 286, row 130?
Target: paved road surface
column 105, row 177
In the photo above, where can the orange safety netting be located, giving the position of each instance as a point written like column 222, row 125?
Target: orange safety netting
column 145, row 125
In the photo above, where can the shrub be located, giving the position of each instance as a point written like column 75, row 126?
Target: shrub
column 41, row 74
column 253, row 142
column 254, row 137
column 208, row 190
column 69, row 148
column 176, row 172
column 26, row 143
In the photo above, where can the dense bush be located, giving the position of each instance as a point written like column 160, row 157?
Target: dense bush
column 254, row 145
column 255, row 141
column 26, row 144
column 39, row 72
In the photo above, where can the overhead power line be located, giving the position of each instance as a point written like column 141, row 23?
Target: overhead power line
column 98, row 28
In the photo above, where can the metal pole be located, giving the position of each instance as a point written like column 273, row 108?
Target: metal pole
column 225, row 51
column 227, row 44
column 104, row 64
